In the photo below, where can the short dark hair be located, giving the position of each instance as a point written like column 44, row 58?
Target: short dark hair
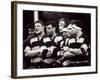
column 53, row 23
column 65, row 20
column 77, row 22
column 39, row 21
column 30, row 26
column 62, row 19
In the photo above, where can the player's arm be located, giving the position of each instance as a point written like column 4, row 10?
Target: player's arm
column 82, row 50
column 31, row 53
column 79, row 51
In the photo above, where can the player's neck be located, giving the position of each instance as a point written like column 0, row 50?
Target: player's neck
column 41, row 35
column 54, row 34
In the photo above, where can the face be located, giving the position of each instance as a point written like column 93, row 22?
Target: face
column 50, row 30
column 39, row 28
column 73, row 28
column 31, row 32
column 61, row 25
column 67, row 33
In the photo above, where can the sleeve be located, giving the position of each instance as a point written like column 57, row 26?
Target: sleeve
column 84, row 49
column 58, row 41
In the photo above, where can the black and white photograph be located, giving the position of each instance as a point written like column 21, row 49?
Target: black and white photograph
column 53, row 39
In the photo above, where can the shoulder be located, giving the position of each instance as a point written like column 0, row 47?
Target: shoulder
column 46, row 39
column 33, row 39
column 58, row 38
column 71, row 40
column 84, row 38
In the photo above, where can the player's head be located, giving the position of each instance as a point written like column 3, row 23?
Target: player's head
column 31, row 29
column 66, row 33
column 50, row 27
column 75, row 26
column 62, row 24
column 39, row 27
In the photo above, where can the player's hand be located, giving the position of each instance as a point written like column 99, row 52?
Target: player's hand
column 49, row 54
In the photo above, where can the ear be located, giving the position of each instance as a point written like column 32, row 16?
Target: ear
column 79, row 28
